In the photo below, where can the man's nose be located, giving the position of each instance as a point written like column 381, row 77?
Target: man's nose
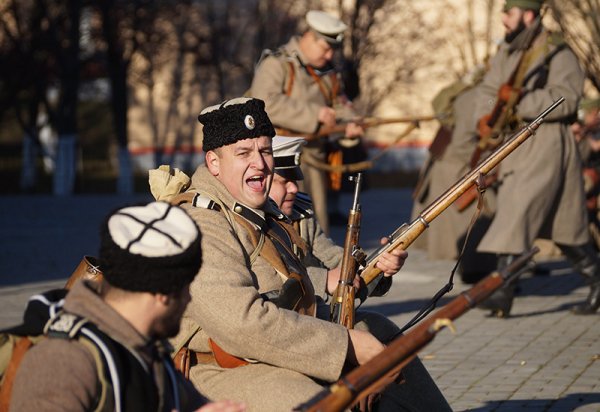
column 258, row 160
column 292, row 187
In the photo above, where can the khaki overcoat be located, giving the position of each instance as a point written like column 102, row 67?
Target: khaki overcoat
column 291, row 351
column 541, row 194
column 297, row 111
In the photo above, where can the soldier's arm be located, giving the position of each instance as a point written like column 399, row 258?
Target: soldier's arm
column 565, row 78
column 269, row 84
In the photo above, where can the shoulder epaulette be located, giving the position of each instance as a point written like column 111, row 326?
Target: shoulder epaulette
column 69, row 326
column 205, row 202
column 65, row 325
column 280, row 52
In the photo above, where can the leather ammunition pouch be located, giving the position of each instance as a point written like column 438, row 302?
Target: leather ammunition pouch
column 185, row 358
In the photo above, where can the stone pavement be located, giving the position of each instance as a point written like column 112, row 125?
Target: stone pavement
column 540, row 359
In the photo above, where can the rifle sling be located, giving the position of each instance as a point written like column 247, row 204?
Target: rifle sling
column 450, row 284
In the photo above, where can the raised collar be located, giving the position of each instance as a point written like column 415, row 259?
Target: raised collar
column 205, row 183
column 303, row 207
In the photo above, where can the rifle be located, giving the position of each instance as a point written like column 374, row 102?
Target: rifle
column 502, row 110
column 364, row 122
column 404, row 235
column 375, row 374
column 342, row 305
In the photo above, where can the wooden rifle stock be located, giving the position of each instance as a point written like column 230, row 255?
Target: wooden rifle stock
column 406, row 234
column 365, row 123
column 342, row 304
column 375, row 374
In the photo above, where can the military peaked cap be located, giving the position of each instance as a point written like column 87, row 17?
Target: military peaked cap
column 327, row 26
column 286, row 156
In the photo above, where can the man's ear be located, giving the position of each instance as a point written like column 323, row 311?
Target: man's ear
column 528, row 17
column 163, row 299
column 213, row 162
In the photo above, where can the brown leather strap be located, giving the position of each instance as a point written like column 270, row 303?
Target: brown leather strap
column 185, row 358
column 224, row 359
column 335, row 158
column 329, row 94
column 290, row 83
column 19, row 350
column 186, row 197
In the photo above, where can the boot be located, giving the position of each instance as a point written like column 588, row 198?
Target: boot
column 592, row 303
column 500, row 302
column 585, row 260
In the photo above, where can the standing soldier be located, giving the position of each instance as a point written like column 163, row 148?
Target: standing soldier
column 302, row 93
column 541, row 191
column 250, row 332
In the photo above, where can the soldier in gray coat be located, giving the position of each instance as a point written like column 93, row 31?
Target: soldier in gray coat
column 541, row 192
column 251, row 329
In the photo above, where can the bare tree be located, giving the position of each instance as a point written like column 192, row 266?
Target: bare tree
column 44, row 42
column 122, row 24
column 579, row 20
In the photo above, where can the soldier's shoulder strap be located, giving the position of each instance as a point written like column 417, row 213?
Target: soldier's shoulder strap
column 287, row 61
column 205, row 201
column 74, row 327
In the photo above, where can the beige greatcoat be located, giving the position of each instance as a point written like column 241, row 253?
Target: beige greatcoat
column 542, row 191
column 291, row 351
column 445, row 234
column 297, row 112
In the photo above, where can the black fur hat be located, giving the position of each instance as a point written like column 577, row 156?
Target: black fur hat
column 233, row 120
column 153, row 248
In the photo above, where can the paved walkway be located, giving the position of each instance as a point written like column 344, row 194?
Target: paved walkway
column 540, row 359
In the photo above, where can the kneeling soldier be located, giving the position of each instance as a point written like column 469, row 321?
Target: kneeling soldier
column 106, row 350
